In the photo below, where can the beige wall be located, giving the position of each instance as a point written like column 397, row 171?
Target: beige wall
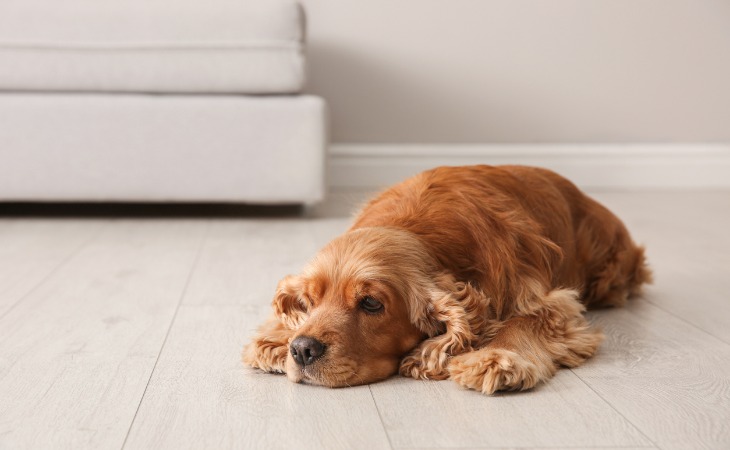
column 522, row 70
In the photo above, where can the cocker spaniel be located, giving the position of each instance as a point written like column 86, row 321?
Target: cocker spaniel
column 479, row 274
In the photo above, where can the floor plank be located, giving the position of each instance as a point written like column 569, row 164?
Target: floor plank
column 76, row 354
column 542, row 448
column 562, row 413
column 551, row 448
column 30, row 250
column 201, row 395
column 663, row 374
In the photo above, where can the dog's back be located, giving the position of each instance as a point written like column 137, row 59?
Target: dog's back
column 498, row 226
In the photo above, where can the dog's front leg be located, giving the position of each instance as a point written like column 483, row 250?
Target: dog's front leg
column 461, row 312
column 529, row 348
column 270, row 347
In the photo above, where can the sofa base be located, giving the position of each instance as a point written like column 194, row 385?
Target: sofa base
column 162, row 148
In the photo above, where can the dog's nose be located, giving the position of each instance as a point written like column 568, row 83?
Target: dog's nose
column 306, row 350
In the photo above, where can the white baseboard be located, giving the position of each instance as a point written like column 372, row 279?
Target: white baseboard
column 590, row 166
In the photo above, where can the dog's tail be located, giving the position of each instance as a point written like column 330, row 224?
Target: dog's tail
column 622, row 276
column 640, row 273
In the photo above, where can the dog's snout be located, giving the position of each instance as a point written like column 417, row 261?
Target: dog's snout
column 305, row 350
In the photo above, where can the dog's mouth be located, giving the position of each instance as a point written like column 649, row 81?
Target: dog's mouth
column 301, row 375
column 323, row 374
column 309, row 376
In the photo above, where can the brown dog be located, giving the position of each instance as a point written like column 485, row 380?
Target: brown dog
column 479, row 274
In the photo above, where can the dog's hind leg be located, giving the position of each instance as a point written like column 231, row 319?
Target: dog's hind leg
column 269, row 348
column 529, row 348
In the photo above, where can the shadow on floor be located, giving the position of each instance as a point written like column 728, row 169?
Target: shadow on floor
column 144, row 210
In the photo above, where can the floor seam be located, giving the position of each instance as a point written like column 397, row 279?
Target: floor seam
column 685, row 321
column 194, row 266
column 380, row 417
column 615, row 409
column 60, row 265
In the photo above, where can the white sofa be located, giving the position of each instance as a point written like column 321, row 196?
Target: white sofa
column 157, row 100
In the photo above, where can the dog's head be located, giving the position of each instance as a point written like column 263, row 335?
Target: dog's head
column 361, row 304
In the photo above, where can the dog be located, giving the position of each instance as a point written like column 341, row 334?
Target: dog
column 479, row 274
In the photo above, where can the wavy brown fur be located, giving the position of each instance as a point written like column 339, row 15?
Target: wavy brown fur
column 484, row 273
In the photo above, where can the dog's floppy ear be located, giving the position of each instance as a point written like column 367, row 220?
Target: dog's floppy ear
column 454, row 309
column 453, row 315
column 289, row 303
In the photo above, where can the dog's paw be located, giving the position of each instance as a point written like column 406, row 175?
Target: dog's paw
column 415, row 366
column 267, row 355
column 427, row 362
column 491, row 370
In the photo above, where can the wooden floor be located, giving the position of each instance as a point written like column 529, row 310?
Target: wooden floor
column 126, row 333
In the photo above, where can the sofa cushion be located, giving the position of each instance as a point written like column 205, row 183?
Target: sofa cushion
column 185, row 46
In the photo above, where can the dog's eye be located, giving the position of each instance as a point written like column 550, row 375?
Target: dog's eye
column 370, row 305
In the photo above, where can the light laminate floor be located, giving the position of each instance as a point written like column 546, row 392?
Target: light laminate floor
column 126, row 333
